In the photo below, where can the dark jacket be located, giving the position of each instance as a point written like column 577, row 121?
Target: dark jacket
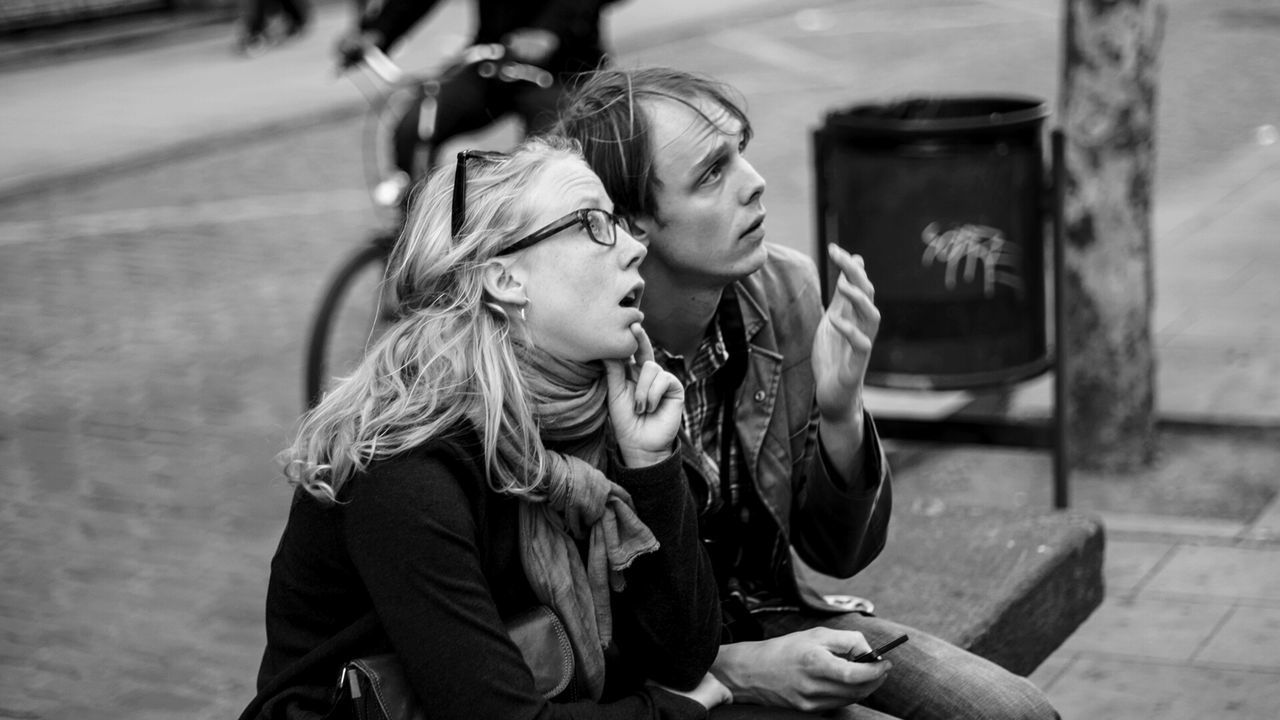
column 575, row 22
column 836, row 530
column 421, row 544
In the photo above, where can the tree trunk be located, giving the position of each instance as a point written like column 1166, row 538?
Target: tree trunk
column 1108, row 105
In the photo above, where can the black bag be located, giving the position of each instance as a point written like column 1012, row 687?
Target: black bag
column 376, row 688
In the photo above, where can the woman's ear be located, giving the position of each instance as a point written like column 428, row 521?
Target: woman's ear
column 502, row 285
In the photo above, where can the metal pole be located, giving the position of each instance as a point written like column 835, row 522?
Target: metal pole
column 1061, row 466
column 820, row 190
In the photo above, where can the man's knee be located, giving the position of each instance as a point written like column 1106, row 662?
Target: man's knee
column 1016, row 698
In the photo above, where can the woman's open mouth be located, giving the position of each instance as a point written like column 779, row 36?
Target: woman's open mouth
column 632, row 298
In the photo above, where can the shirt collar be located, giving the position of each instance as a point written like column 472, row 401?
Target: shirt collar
column 714, row 348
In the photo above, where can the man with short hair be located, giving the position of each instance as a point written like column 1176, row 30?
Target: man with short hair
column 782, row 456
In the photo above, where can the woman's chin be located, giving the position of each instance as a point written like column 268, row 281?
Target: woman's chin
column 623, row 349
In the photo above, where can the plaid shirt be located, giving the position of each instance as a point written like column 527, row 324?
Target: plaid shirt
column 704, row 408
column 703, row 411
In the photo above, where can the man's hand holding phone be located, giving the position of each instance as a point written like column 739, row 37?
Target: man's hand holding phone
column 876, row 655
column 807, row 670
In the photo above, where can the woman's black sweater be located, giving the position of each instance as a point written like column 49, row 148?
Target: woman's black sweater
column 422, row 558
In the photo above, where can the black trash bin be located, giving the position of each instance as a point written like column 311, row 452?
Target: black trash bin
column 944, row 198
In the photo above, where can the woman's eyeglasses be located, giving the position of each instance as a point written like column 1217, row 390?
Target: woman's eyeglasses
column 601, row 227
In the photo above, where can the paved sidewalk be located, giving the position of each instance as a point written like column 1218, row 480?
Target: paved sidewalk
column 1192, row 619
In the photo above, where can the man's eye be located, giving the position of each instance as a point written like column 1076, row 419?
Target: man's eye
column 713, row 174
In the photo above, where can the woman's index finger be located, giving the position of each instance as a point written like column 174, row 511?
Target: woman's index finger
column 644, row 349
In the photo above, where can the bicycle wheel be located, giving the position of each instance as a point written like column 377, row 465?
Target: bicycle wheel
column 353, row 314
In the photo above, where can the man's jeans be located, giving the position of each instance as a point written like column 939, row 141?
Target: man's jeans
column 931, row 679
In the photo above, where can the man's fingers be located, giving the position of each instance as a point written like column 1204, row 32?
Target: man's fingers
column 841, row 642
column 852, row 267
column 862, row 302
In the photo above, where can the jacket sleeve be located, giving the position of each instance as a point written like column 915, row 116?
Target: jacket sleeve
column 668, row 616
column 415, row 543
column 397, row 18
column 839, row 525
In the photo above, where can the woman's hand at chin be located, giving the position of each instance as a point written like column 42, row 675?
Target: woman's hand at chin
column 645, row 405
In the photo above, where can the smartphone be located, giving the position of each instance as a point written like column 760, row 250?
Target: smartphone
column 876, row 654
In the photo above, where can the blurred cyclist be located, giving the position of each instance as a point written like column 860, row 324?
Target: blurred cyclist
column 561, row 36
column 266, row 22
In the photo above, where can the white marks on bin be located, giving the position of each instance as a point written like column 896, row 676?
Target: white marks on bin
column 967, row 249
column 1266, row 135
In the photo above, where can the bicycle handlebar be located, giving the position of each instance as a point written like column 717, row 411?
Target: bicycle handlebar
column 374, row 60
column 488, row 58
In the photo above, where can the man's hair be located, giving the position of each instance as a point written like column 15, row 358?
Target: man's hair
column 605, row 116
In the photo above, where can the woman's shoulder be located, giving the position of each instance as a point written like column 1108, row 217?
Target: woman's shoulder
column 459, row 447
column 432, row 469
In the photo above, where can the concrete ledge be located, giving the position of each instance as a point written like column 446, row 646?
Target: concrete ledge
column 1009, row 585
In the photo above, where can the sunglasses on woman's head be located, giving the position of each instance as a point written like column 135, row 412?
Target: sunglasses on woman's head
column 459, row 215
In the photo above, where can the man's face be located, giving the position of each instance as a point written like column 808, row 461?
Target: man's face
column 709, row 229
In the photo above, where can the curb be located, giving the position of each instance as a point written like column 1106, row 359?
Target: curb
column 180, row 150
column 91, row 38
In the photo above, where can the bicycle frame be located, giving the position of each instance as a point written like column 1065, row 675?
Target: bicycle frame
column 489, row 61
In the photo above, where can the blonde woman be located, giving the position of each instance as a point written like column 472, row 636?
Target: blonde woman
column 497, row 450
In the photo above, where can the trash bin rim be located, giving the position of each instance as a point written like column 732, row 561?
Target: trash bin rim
column 1005, row 376
column 841, row 121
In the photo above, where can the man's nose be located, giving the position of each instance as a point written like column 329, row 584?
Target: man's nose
column 752, row 184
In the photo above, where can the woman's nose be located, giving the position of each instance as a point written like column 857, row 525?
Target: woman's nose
column 633, row 251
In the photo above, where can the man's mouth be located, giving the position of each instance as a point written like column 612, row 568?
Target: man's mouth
column 753, row 226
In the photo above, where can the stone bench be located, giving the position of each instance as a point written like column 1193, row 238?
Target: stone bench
column 1009, row 585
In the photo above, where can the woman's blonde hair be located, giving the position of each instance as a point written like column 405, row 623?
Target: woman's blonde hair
column 449, row 359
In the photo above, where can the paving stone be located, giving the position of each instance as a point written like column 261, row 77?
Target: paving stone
column 1267, row 525
column 1128, row 563
column 1051, row 669
column 1220, row 572
column 1148, row 628
column 1250, row 636
column 1105, row 687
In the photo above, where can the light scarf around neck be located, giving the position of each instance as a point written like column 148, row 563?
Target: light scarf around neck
column 576, row 501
